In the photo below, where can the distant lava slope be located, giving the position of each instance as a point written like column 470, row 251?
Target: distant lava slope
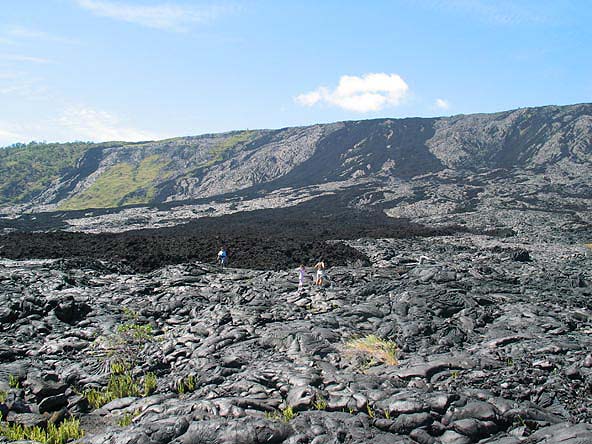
column 78, row 176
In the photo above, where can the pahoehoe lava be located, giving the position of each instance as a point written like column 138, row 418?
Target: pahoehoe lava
column 262, row 239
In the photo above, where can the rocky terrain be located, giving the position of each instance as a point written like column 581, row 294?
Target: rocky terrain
column 492, row 334
column 457, row 306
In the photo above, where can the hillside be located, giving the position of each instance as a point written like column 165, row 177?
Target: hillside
column 47, row 177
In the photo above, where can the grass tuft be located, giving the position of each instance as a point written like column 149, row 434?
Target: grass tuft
column 374, row 349
column 121, row 386
column 13, row 382
column 320, row 403
column 127, row 418
column 136, row 331
column 186, row 385
column 68, row 430
column 286, row 414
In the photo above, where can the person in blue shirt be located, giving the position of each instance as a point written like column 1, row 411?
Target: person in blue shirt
column 222, row 257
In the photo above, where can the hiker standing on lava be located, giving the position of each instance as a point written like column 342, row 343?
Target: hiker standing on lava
column 320, row 267
column 301, row 274
column 222, row 257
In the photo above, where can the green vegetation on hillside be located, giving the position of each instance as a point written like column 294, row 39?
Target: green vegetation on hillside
column 27, row 170
column 219, row 153
column 122, row 184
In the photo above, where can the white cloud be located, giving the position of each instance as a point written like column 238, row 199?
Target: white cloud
column 85, row 123
column 441, row 104
column 73, row 123
column 165, row 16
column 371, row 92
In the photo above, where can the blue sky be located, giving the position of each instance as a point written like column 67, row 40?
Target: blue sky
column 146, row 69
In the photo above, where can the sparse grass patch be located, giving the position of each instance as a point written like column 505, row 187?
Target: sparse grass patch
column 137, row 331
column 150, row 384
column 69, row 429
column 121, row 184
column 320, row 403
column 286, row 414
column 2, row 398
column 219, row 153
column 13, row 382
column 127, row 418
column 186, row 385
column 121, row 386
column 119, row 368
column 374, row 348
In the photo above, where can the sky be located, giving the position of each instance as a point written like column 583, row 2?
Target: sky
column 98, row 70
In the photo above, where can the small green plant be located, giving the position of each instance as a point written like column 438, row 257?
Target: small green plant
column 387, row 413
column 122, row 349
column 97, row 398
column 351, row 410
column 121, row 386
column 127, row 418
column 150, row 384
column 510, row 362
column 370, row 411
column 373, row 347
column 130, row 314
column 3, row 396
column 137, row 331
column 320, row 403
column 119, row 368
column 13, row 382
column 186, row 385
column 68, row 430
column 454, row 374
column 274, row 416
column 288, row 413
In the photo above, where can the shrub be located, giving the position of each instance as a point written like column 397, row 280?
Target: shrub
column 69, row 429
column 374, row 348
column 123, row 349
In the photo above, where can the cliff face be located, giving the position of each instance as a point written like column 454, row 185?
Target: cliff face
column 545, row 140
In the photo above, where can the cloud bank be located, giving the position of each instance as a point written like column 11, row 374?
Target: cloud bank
column 89, row 124
column 370, row 92
column 73, row 123
column 166, row 16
